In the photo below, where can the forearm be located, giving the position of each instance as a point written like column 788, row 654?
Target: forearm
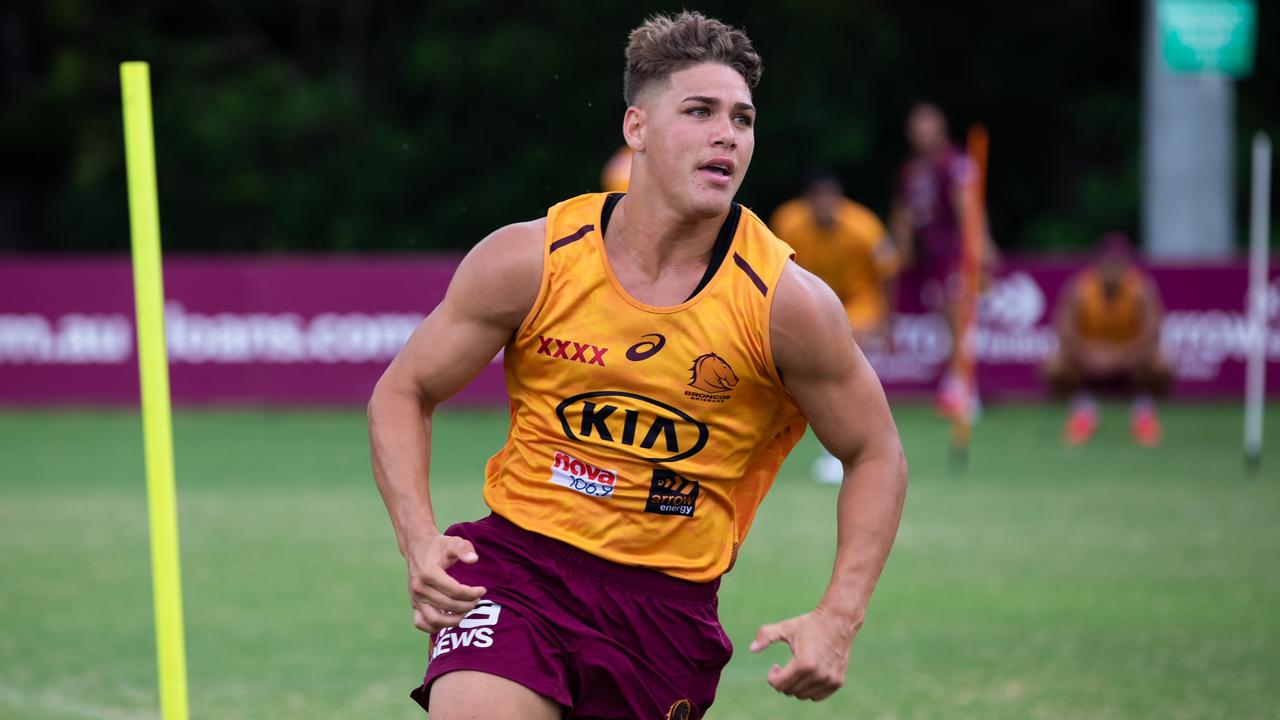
column 867, row 514
column 400, row 449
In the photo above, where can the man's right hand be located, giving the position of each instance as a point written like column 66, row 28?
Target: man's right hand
column 438, row 600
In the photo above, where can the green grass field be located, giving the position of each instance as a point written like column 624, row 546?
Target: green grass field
column 1099, row 582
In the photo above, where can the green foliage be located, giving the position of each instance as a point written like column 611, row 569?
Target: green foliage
column 400, row 126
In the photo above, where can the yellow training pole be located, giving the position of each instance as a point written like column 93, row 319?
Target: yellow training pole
column 153, row 367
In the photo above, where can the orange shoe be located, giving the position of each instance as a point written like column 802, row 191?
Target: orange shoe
column 1146, row 428
column 1080, row 427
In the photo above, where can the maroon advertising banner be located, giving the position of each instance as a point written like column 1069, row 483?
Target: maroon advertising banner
column 319, row 330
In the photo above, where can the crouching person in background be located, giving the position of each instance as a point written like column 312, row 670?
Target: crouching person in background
column 1108, row 323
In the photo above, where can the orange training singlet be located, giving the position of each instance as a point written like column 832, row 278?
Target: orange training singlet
column 845, row 256
column 645, row 435
column 1116, row 319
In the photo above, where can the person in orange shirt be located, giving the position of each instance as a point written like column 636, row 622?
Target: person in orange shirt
column 1108, row 323
column 847, row 246
column 663, row 354
column 617, row 172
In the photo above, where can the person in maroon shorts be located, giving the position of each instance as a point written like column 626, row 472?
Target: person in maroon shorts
column 662, row 355
column 926, row 220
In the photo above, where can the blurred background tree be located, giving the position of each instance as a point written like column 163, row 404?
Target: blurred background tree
column 318, row 125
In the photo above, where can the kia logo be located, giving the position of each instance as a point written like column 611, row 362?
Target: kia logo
column 616, row 418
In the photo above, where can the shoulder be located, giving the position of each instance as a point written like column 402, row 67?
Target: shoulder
column 806, row 318
column 1076, row 283
column 959, row 167
column 761, row 246
column 1144, row 283
column 511, row 251
column 510, row 259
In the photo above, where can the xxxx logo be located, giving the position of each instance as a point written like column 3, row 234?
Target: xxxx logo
column 570, row 350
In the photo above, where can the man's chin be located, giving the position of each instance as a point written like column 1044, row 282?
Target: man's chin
column 705, row 204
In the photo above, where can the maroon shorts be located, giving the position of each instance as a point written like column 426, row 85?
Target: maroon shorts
column 603, row 640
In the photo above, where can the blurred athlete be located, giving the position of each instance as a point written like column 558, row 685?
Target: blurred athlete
column 926, row 220
column 1108, row 321
column 848, row 248
column 662, row 353
column 617, row 172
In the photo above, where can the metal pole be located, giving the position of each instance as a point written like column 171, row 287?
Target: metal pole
column 1256, row 370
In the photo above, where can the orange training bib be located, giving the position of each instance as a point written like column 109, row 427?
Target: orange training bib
column 645, row 435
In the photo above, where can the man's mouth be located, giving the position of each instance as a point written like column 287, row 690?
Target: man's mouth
column 718, row 171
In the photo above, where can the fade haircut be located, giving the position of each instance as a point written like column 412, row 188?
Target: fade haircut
column 664, row 45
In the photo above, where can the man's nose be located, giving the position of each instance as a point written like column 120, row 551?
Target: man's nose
column 723, row 134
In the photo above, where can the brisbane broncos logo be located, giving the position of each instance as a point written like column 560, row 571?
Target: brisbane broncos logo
column 711, row 374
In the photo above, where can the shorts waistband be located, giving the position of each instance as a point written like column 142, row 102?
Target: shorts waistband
column 639, row 579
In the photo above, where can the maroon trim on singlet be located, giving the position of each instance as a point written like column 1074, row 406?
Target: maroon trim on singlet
column 571, row 238
column 751, row 273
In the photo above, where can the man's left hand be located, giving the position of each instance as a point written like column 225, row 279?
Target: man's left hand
column 819, row 643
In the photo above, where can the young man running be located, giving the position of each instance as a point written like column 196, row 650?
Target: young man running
column 662, row 354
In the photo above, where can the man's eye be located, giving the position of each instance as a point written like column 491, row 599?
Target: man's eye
column 744, row 120
column 698, row 112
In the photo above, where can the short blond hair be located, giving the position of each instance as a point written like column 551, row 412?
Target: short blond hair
column 664, row 45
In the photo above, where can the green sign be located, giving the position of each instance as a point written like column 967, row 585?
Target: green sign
column 1210, row 36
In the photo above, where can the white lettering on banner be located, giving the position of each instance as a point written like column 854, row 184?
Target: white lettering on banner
column 1199, row 341
column 1013, row 330
column 285, row 337
column 74, row 339
column 199, row 338
column 1014, row 301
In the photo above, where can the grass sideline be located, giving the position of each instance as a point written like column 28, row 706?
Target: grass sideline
column 1099, row 582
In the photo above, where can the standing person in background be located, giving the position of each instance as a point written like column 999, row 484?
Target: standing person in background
column 616, row 177
column 926, row 220
column 1108, row 323
column 846, row 245
column 848, row 248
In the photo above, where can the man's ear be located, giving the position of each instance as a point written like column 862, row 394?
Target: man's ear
column 633, row 127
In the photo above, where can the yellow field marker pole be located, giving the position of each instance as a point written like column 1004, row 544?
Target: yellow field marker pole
column 153, row 368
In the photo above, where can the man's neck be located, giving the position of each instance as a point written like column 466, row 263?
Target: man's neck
column 654, row 238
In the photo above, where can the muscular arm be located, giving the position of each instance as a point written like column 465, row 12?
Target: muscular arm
column 1069, row 341
column 841, row 396
column 451, row 346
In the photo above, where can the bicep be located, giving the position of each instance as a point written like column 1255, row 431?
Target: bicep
column 846, row 406
column 468, row 328
column 449, row 348
column 823, row 369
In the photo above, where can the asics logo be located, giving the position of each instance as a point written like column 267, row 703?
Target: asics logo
column 646, row 349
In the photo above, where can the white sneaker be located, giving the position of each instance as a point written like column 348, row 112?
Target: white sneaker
column 828, row 470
